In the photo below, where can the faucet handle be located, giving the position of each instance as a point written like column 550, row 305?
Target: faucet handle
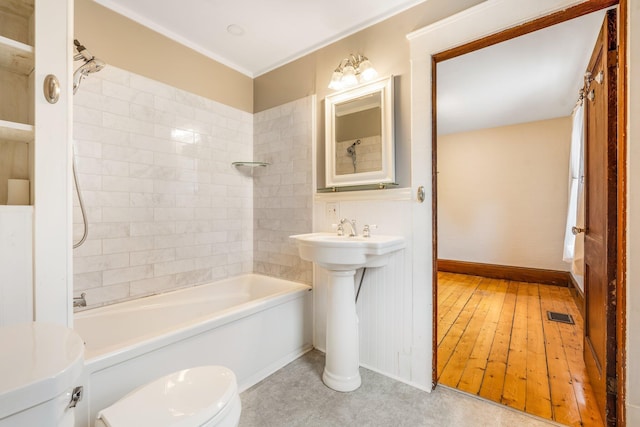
column 339, row 228
column 366, row 231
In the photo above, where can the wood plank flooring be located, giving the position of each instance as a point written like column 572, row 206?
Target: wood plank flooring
column 495, row 341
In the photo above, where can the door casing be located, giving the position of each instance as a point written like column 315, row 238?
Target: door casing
column 519, row 30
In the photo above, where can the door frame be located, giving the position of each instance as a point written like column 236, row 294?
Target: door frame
column 510, row 33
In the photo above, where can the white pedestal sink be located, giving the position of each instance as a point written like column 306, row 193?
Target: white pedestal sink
column 341, row 256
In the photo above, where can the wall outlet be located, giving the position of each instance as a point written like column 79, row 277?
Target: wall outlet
column 333, row 213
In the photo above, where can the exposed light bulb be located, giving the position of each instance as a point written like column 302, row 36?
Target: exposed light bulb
column 367, row 72
column 349, row 76
column 336, row 80
column 351, row 71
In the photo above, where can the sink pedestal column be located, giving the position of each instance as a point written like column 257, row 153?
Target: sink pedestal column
column 341, row 370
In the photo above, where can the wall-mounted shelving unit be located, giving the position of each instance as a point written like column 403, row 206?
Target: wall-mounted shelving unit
column 380, row 186
column 250, row 164
column 17, row 62
column 16, row 56
column 35, row 248
column 17, row 137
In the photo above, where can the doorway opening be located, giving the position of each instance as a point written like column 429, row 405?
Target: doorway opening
column 485, row 306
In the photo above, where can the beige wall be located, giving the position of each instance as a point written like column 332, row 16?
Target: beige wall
column 386, row 46
column 502, row 194
column 128, row 45
column 358, row 125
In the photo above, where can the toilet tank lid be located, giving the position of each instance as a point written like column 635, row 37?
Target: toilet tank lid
column 190, row 397
column 40, row 361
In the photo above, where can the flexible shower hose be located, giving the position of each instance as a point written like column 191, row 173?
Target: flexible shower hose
column 85, row 233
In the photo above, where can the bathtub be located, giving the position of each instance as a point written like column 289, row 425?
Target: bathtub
column 252, row 324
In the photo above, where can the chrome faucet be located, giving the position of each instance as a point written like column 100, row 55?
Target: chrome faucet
column 351, row 223
column 80, row 301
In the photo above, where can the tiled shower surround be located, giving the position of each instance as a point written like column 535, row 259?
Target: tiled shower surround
column 166, row 208
column 282, row 192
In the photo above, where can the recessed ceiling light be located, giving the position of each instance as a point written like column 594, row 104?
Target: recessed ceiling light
column 235, row 30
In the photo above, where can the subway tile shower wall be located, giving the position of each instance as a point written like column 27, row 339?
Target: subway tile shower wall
column 282, row 193
column 166, row 208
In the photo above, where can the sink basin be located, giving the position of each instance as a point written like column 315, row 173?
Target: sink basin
column 334, row 252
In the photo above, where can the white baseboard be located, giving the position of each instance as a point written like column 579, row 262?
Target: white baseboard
column 272, row 368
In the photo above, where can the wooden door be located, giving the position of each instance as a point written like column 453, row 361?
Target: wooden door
column 600, row 220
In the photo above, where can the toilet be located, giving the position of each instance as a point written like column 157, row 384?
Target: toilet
column 205, row 396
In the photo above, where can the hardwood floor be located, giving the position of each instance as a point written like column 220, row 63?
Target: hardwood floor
column 495, row 341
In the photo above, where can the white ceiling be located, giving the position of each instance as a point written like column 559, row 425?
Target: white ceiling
column 530, row 78
column 275, row 31
column 533, row 77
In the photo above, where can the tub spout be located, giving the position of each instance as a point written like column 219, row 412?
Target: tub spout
column 80, row 301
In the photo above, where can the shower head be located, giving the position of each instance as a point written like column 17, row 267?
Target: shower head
column 91, row 65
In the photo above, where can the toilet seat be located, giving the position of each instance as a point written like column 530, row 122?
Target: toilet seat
column 187, row 398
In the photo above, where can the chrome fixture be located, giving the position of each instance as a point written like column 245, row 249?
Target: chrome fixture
column 80, row 301
column 351, row 223
column 351, row 71
column 76, row 396
column 352, row 152
column 91, row 65
column 366, row 231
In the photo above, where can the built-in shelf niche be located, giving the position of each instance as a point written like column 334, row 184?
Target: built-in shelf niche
column 16, row 86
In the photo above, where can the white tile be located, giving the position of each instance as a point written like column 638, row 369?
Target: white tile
column 143, row 113
column 100, row 262
column 175, row 241
column 173, row 187
column 173, row 214
column 153, row 256
column 138, row 185
column 164, row 104
column 127, row 124
column 87, row 148
column 87, row 280
column 115, row 75
column 109, row 230
column 127, row 244
column 121, row 275
column 114, row 167
column 107, row 294
column 165, row 195
column 89, row 247
column 155, row 200
column 87, row 115
column 132, row 155
column 153, row 228
column 89, row 182
column 87, row 164
column 118, row 91
column 193, row 251
column 172, row 267
column 152, row 143
column 137, row 170
column 154, row 285
column 194, row 277
column 147, row 85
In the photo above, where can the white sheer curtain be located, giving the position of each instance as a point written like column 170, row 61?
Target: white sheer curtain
column 573, row 247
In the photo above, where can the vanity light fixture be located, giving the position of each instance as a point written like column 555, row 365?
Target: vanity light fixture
column 351, row 71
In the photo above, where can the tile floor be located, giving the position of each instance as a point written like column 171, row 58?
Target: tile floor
column 296, row 396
